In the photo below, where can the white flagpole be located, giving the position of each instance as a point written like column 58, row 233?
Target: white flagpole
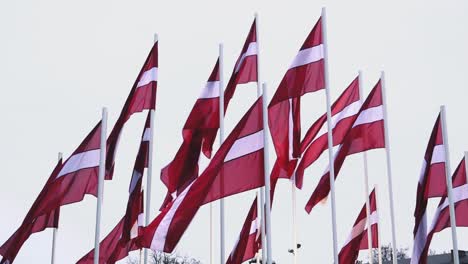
column 294, row 217
column 102, row 167
column 221, row 140
column 261, row 193
column 389, row 168
column 379, row 249
column 149, row 173
column 330, row 136
column 266, row 164
column 466, row 164
column 366, row 183
column 55, row 230
column 448, row 176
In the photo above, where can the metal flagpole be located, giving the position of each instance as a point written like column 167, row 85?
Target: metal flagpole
column 389, row 168
column 366, row 183
column 330, row 136
column 149, row 173
column 266, row 164
column 221, row 140
column 261, row 193
column 448, row 176
column 55, row 230
column 294, row 216
column 466, row 165
column 379, row 249
column 102, row 167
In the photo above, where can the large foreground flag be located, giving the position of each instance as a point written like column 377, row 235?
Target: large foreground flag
column 442, row 215
column 305, row 75
column 245, row 69
column 432, row 183
column 198, row 134
column 141, row 97
column 367, row 133
column 358, row 238
column 247, row 243
column 236, row 167
column 9, row 250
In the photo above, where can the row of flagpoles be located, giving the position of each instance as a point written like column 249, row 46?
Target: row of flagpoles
column 353, row 125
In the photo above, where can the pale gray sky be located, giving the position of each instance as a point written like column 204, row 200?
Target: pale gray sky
column 61, row 61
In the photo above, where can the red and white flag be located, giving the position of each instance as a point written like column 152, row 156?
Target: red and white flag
column 198, row 134
column 10, row 249
column 236, row 167
column 245, row 69
column 344, row 112
column 305, row 75
column 442, row 216
column 358, row 239
column 366, row 133
column 141, row 97
column 247, row 245
column 432, row 183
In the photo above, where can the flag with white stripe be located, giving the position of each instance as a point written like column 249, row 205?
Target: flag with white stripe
column 366, row 133
column 236, row 167
column 358, row 239
column 247, row 245
column 141, row 97
column 305, row 75
column 198, row 135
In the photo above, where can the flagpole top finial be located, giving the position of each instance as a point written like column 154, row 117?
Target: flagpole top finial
column 155, row 37
column 256, row 15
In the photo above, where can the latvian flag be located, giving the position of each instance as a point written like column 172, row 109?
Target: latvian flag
column 441, row 218
column 432, row 183
column 235, row 168
column 366, row 133
column 247, row 245
column 141, row 97
column 305, row 75
column 198, row 134
column 358, row 239
column 245, row 69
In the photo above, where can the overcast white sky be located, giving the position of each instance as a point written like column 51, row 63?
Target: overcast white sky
column 61, row 61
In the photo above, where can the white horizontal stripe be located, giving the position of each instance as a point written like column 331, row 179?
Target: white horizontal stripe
column 369, row 115
column 422, row 174
column 253, row 227
column 361, row 226
column 148, row 76
column 307, row 56
column 146, row 134
column 419, row 240
column 159, row 238
column 438, row 154
column 83, row 160
column 141, row 219
column 459, row 194
column 251, row 50
column 348, row 111
column 211, row 90
column 245, row 145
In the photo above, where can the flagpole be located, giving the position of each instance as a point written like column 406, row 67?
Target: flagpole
column 262, row 189
column 149, row 173
column 294, row 217
column 330, row 137
column 466, row 165
column 266, row 164
column 389, row 168
column 102, row 167
column 221, row 140
column 379, row 249
column 366, row 182
column 448, row 176
column 55, row 230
